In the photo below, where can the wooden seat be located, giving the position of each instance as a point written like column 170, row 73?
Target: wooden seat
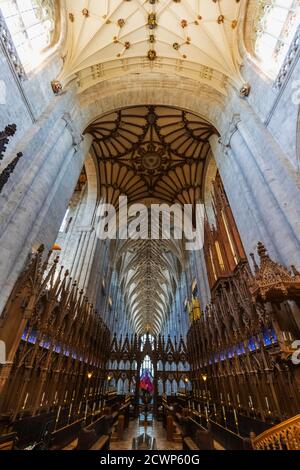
column 62, row 438
column 72, row 445
column 196, row 437
column 96, row 436
column 189, row 444
column 7, row 441
column 101, row 443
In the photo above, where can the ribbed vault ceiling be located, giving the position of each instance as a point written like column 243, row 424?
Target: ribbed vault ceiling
column 192, row 38
column 149, row 276
column 150, row 154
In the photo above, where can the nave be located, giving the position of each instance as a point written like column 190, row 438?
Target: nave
column 149, row 225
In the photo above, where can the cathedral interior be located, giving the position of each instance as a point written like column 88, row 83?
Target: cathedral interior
column 119, row 334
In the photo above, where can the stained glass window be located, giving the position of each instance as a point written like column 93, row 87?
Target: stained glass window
column 147, row 366
column 275, row 26
column 32, row 26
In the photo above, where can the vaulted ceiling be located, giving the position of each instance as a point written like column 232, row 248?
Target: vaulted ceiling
column 192, row 38
column 149, row 275
column 152, row 153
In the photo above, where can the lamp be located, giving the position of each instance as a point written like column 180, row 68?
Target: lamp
column 56, row 247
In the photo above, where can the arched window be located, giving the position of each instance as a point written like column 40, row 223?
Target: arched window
column 144, row 340
column 32, row 26
column 275, row 26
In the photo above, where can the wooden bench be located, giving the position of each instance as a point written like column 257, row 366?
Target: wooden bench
column 189, row 444
column 195, row 437
column 101, row 444
column 95, row 436
column 66, row 437
column 228, row 439
column 7, row 441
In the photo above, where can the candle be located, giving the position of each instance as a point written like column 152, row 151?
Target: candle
column 25, row 401
column 70, row 410
column 199, row 408
column 66, row 394
column 58, row 413
column 94, row 406
column 238, row 398
column 224, row 414
column 284, row 335
column 236, row 421
column 228, row 398
column 221, row 395
column 43, row 396
column 215, row 410
column 250, row 401
column 267, row 403
column 55, row 397
column 206, row 414
column 86, row 410
column 79, row 408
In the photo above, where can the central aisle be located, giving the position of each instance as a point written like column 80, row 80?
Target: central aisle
column 156, row 430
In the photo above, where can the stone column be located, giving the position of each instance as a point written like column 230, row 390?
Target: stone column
column 263, row 195
column 33, row 204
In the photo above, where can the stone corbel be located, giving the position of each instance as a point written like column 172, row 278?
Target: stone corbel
column 225, row 140
column 77, row 139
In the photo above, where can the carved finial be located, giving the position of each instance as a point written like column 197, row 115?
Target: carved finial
column 262, row 251
column 254, row 262
column 10, row 130
column 294, row 270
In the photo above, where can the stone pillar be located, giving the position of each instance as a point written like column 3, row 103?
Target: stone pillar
column 263, row 195
column 33, row 204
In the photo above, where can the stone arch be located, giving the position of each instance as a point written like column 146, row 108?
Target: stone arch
column 121, row 93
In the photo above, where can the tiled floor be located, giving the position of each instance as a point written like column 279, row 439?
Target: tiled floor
column 156, row 431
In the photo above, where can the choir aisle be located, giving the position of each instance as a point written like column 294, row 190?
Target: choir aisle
column 155, row 431
column 160, row 438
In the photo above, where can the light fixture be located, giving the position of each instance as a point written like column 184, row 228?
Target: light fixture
column 56, row 247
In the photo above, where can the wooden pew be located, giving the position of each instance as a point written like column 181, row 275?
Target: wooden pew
column 33, row 428
column 65, row 438
column 7, row 441
column 229, row 439
column 123, row 417
column 95, row 436
column 195, row 437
